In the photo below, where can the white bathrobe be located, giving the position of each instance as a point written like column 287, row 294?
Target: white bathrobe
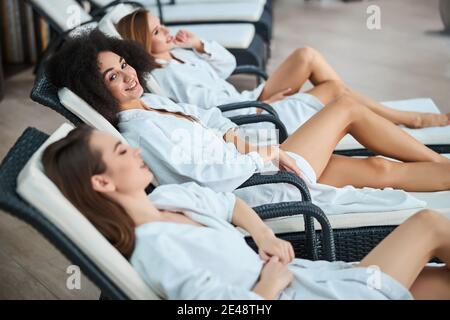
column 201, row 81
column 178, row 150
column 180, row 261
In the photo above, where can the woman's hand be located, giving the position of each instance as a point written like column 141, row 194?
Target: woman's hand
column 187, row 39
column 286, row 162
column 278, row 96
column 280, row 157
column 275, row 277
column 267, row 153
column 269, row 246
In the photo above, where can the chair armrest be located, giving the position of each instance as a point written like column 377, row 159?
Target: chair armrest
column 248, row 104
column 279, row 177
column 310, row 212
column 292, row 179
column 250, row 69
column 256, row 118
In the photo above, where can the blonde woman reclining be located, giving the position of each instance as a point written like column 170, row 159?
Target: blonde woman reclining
column 199, row 76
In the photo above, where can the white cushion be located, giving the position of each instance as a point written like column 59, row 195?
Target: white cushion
column 229, row 35
column 34, row 186
column 225, row 11
column 153, row 86
column 107, row 27
column 439, row 201
column 118, row 12
column 86, row 113
column 233, row 35
column 435, row 135
column 67, row 14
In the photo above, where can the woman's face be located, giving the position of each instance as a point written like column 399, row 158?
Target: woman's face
column 126, row 172
column 119, row 77
column 162, row 40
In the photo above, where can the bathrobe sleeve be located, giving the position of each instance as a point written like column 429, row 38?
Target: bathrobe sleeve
column 170, row 160
column 172, row 273
column 219, row 58
column 192, row 197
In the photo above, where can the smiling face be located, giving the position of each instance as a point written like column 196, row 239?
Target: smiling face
column 126, row 172
column 161, row 39
column 120, row 78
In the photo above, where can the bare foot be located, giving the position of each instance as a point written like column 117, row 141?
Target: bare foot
column 425, row 120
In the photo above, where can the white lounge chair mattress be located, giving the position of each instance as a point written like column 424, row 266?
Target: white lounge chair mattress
column 435, row 135
column 232, row 35
column 439, row 201
column 217, row 11
column 229, row 35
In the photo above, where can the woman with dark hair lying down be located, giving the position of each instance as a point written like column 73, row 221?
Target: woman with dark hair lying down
column 185, row 143
column 182, row 242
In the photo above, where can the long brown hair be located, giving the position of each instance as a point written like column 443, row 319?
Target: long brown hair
column 70, row 163
column 134, row 26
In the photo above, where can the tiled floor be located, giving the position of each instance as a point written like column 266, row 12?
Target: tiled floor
column 407, row 58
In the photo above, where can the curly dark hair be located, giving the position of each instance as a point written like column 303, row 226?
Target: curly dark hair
column 75, row 66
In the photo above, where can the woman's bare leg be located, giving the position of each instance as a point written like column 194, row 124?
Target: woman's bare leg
column 317, row 138
column 303, row 64
column 432, row 283
column 404, row 253
column 376, row 172
column 409, row 119
column 308, row 64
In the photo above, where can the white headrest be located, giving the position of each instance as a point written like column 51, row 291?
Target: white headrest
column 86, row 113
column 153, row 86
column 107, row 27
column 34, row 186
column 118, row 12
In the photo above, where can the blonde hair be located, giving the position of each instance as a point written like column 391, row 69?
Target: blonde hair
column 134, row 26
